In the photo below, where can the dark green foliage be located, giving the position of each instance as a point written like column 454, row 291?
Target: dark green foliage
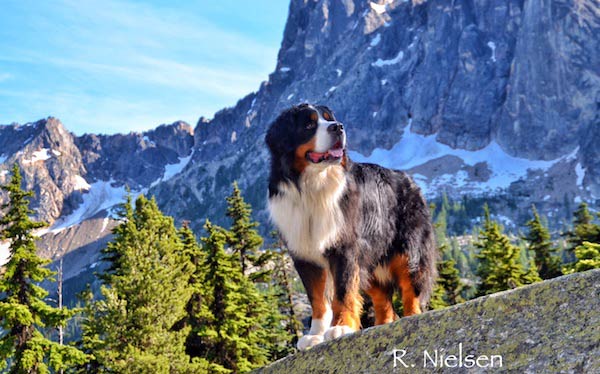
column 499, row 267
column 198, row 315
column 449, row 286
column 584, row 229
column 244, row 239
column 437, row 300
column 588, row 257
column 145, row 292
column 234, row 334
column 538, row 242
column 282, row 284
column 23, row 311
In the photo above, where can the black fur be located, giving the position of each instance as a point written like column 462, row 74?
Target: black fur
column 384, row 211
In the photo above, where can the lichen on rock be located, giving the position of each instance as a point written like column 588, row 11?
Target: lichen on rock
column 552, row 326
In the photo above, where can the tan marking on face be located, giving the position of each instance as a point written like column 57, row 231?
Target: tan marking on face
column 300, row 161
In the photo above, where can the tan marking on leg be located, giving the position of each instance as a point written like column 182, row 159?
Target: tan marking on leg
column 319, row 302
column 382, row 303
column 347, row 315
column 347, row 312
column 400, row 270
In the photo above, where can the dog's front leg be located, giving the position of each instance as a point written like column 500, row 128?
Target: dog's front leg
column 347, row 302
column 314, row 278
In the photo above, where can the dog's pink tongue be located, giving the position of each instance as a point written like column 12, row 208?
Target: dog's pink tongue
column 337, row 153
column 316, row 157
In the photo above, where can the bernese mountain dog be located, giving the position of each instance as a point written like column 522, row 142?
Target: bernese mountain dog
column 350, row 227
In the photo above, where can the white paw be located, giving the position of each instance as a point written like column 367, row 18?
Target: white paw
column 309, row 341
column 337, row 331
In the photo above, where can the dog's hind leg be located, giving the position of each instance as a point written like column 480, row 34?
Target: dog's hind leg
column 382, row 303
column 314, row 279
column 400, row 269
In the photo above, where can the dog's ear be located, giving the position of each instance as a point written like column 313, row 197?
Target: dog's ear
column 275, row 137
column 270, row 138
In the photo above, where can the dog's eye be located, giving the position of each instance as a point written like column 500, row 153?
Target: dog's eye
column 311, row 125
column 327, row 116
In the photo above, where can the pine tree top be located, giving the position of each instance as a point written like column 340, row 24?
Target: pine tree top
column 23, row 310
column 582, row 215
column 538, row 234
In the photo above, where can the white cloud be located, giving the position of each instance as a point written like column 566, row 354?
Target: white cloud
column 126, row 65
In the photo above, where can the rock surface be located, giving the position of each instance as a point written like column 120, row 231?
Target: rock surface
column 553, row 326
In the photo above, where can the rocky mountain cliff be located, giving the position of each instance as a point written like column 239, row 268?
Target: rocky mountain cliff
column 497, row 100
column 485, row 98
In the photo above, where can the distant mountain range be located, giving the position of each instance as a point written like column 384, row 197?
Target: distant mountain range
column 494, row 100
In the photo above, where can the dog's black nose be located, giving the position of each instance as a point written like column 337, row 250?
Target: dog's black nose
column 336, row 128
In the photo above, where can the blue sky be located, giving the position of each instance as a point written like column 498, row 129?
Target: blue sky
column 107, row 66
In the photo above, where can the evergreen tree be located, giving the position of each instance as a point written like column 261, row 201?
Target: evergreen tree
column 499, row 267
column 462, row 261
column 584, row 229
column 244, row 239
column 234, row 334
column 588, row 257
column 198, row 315
column 23, row 311
column 438, row 300
column 145, row 293
column 441, row 223
column 283, row 292
column 449, row 286
column 538, row 242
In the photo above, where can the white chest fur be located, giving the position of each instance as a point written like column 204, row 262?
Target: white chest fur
column 311, row 220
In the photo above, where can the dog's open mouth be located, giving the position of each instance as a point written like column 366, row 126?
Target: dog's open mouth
column 335, row 153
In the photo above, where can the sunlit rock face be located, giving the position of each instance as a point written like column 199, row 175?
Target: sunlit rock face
column 492, row 100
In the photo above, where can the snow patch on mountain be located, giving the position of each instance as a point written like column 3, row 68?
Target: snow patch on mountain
column 80, row 183
column 102, row 195
column 415, row 150
column 580, row 171
column 41, row 155
column 492, row 46
column 2, row 159
column 104, row 223
column 381, row 63
column 375, row 40
column 172, row 170
column 378, row 8
column 148, row 141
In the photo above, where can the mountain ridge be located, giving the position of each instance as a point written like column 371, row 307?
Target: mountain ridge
column 456, row 85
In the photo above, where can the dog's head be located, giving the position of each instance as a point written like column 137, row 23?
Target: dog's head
column 307, row 135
